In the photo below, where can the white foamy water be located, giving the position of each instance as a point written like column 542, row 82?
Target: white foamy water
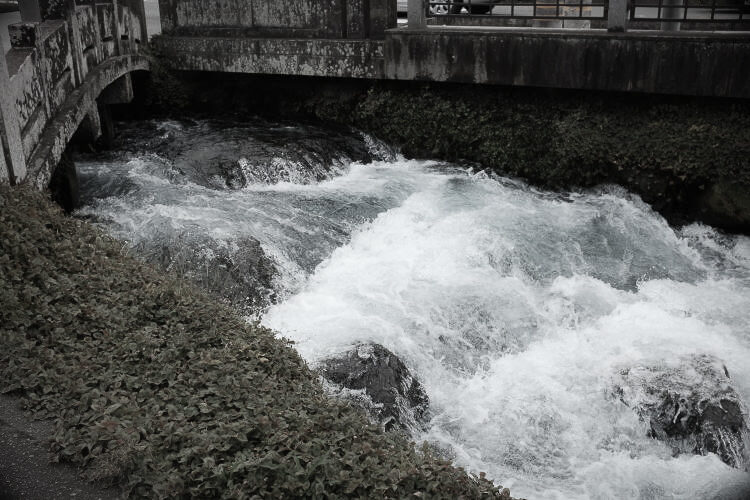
column 518, row 310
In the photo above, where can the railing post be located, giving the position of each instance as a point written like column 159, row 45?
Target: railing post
column 671, row 10
column 417, row 14
column 31, row 11
column 11, row 147
column 617, row 15
column 116, row 36
column 74, row 42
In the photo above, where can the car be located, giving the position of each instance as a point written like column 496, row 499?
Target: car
column 402, row 6
column 8, row 6
column 452, row 6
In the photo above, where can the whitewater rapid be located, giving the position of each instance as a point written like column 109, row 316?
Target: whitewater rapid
column 517, row 309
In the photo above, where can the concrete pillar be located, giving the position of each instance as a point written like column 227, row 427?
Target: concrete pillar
column 416, row 14
column 617, row 15
column 90, row 128
column 671, row 10
column 107, row 126
column 14, row 168
column 63, row 184
column 167, row 15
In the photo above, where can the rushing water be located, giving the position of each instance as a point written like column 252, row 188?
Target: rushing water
column 522, row 312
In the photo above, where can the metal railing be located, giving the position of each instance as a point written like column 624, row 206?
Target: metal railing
column 615, row 15
column 522, row 9
column 695, row 11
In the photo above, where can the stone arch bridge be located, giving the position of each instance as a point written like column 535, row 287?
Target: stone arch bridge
column 61, row 72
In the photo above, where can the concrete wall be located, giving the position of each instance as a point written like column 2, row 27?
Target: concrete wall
column 272, row 56
column 56, row 62
column 330, row 19
column 714, row 64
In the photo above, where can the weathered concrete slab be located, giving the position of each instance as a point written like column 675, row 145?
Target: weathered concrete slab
column 328, row 58
column 699, row 64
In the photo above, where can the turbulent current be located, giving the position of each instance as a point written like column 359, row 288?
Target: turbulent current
column 547, row 329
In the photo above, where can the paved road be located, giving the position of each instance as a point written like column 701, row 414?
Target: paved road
column 25, row 468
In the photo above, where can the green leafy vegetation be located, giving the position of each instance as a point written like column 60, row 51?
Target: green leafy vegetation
column 680, row 155
column 155, row 386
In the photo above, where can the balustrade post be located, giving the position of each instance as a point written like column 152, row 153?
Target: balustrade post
column 617, row 15
column 116, row 35
column 11, row 147
column 74, row 42
column 671, row 10
column 417, row 14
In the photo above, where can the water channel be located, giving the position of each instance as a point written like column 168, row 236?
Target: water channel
column 542, row 325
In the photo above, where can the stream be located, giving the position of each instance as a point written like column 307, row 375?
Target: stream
column 546, row 328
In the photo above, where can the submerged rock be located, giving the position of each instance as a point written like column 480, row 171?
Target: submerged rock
column 237, row 271
column 691, row 407
column 373, row 377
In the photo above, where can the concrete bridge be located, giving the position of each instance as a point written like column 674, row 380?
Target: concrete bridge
column 611, row 45
column 63, row 69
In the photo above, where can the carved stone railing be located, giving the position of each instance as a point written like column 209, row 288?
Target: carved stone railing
column 53, row 50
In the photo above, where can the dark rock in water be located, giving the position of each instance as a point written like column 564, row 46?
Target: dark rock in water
column 230, row 155
column 394, row 396
column 237, row 270
column 692, row 407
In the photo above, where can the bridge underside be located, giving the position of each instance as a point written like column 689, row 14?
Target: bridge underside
column 682, row 63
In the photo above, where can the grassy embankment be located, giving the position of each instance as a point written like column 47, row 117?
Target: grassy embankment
column 157, row 387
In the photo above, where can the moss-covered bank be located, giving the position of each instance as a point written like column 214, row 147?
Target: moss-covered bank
column 155, row 386
column 688, row 157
